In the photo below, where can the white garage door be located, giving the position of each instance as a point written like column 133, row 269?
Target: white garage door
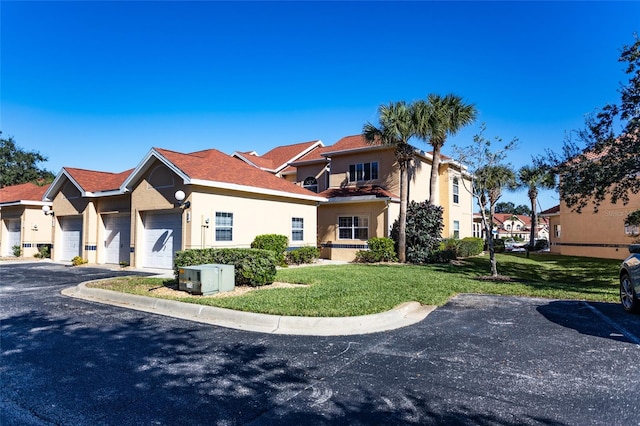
column 162, row 238
column 117, row 230
column 13, row 236
column 71, row 237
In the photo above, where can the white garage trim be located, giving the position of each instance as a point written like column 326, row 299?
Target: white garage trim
column 162, row 238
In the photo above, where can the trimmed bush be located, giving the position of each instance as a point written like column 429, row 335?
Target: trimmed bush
column 253, row 267
column 274, row 242
column 302, row 255
column 77, row 261
column 380, row 250
column 470, row 246
column 16, row 250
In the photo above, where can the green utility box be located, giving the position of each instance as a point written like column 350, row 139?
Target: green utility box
column 206, row 279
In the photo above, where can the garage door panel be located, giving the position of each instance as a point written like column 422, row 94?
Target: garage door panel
column 13, row 235
column 163, row 237
column 71, row 237
column 117, row 238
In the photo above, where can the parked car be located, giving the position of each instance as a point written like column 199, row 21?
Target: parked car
column 630, row 280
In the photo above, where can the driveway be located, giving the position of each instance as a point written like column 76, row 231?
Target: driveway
column 478, row 360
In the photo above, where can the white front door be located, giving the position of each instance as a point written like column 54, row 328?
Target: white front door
column 117, row 231
column 71, row 237
column 162, row 238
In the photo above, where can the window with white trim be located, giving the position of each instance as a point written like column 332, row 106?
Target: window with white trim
column 224, row 226
column 363, row 171
column 353, row 228
column 297, row 229
column 556, row 230
column 456, row 229
column 456, row 191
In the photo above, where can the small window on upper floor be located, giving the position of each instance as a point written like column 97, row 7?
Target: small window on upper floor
column 363, row 171
column 311, row 184
column 456, row 191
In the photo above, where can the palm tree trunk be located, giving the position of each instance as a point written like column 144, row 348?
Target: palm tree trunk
column 402, row 228
column 433, row 182
column 534, row 226
column 492, row 248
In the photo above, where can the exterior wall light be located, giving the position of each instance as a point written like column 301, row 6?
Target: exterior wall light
column 47, row 211
column 180, row 196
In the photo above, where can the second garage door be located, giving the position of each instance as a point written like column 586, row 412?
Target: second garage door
column 162, row 238
column 117, row 229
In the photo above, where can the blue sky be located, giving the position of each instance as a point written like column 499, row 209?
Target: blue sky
column 95, row 85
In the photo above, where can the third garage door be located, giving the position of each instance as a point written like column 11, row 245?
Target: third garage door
column 162, row 238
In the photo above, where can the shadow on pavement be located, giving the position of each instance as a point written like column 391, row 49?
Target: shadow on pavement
column 588, row 317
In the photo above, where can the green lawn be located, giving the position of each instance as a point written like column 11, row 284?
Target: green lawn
column 348, row 290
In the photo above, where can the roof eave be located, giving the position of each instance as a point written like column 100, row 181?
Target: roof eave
column 253, row 189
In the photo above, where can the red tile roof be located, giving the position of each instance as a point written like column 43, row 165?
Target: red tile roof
column 216, row 166
column 349, row 143
column 352, row 191
column 280, row 156
column 22, row 192
column 95, row 181
column 552, row 210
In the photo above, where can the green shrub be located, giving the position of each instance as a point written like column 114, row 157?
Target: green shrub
column 470, row 246
column 303, row 255
column 498, row 245
column 44, row 252
column 253, row 267
column 16, row 250
column 274, row 242
column 380, row 250
column 443, row 256
column 77, row 261
column 424, row 228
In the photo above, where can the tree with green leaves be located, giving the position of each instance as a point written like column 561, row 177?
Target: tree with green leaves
column 605, row 164
column 533, row 178
column 491, row 176
column 18, row 166
column 395, row 129
column 437, row 118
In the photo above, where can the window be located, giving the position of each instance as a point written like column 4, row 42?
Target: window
column 297, row 229
column 311, row 184
column 508, row 227
column 363, row 171
column 224, row 226
column 353, row 228
column 456, row 229
column 556, row 230
column 456, row 191
column 518, row 227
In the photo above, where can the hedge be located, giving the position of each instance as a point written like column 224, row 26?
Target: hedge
column 253, row 267
column 302, row 255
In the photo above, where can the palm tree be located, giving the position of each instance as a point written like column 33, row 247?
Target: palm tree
column 533, row 178
column 435, row 119
column 488, row 185
column 395, row 130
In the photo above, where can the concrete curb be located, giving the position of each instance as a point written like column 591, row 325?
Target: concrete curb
column 401, row 316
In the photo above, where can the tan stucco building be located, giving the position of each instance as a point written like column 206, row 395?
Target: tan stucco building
column 592, row 233
column 22, row 223
column 361, row 183
column 173, row 201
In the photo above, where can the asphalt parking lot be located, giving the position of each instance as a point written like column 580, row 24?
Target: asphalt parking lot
column 477, row 360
